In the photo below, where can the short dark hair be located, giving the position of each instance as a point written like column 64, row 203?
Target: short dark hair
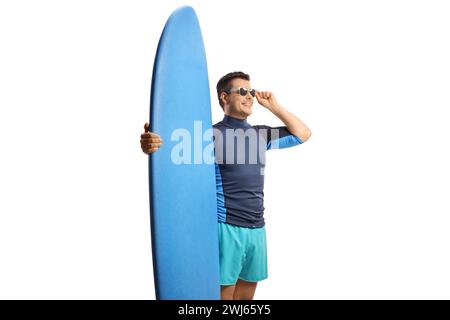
column 224, row 82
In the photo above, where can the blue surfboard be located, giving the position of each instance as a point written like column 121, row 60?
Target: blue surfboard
column 183, row 206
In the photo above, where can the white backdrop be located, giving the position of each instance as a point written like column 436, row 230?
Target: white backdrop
column 359, row 211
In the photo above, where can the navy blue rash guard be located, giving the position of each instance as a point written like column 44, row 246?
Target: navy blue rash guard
column 240, row 154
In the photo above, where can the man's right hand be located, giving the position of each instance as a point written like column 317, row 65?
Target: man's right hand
column 150, row 142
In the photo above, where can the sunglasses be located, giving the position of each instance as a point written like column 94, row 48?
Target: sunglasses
column 242, row 91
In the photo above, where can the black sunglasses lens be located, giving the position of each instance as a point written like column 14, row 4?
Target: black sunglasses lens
column 243, row 91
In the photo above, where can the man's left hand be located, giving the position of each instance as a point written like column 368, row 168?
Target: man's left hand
column 267, row 100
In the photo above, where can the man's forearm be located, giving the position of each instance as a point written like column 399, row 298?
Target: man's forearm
column 292, row 123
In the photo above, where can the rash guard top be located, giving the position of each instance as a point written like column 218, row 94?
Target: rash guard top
column 240, row 156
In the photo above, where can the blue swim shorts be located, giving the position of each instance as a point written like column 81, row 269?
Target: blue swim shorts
column 243, row 254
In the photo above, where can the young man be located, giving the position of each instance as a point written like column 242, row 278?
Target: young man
column 240, row 179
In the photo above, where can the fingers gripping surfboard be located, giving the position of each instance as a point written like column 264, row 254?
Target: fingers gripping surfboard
column 182, row 188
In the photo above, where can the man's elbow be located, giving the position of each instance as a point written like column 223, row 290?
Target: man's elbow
column 305, row 135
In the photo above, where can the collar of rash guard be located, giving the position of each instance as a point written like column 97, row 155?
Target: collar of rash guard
column 235, row 123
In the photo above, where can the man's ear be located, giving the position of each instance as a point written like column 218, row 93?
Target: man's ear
column 223, row 97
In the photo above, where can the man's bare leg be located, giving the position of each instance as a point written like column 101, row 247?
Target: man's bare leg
column 244, row 290
column 227, row 292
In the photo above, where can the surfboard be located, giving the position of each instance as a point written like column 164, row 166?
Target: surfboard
column 182, row 190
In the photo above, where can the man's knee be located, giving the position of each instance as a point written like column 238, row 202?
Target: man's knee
column 227, row 292
column 245, row 290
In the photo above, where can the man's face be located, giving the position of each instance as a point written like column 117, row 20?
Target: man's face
column 237, row 105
